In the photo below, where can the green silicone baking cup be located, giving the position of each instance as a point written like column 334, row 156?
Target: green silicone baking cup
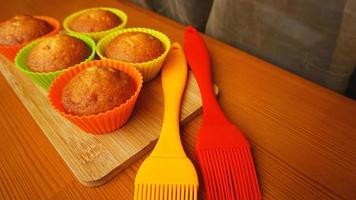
column 149, row 69
column 96, row 35
column 44, row 79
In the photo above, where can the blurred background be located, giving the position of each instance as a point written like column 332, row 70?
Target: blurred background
column 315, row 39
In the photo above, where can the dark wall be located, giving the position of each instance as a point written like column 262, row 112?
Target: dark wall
column 315, row 39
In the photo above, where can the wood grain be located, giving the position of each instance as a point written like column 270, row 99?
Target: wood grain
column 302, row 135
column 94, row 159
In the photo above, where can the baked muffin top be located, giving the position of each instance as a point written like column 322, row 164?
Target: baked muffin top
column 96, row 90
column 22, row 28
column 134, row 47
column 57, row 52
column 94, row 21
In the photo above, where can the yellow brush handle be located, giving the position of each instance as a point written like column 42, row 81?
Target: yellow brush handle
column 174, row 78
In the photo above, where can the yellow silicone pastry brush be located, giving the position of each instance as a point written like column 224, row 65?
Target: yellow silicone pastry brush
column 168, row 173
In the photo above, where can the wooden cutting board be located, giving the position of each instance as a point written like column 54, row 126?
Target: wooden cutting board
column 96, row 159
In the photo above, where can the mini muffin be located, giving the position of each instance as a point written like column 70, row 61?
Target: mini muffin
column 95, row 21
column 134, row 47
column 143, row 48
column 21, row 29
column 57, row 52
column 97, row 96
column 96, row 90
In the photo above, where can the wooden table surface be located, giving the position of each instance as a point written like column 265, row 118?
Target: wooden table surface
column 303, row 136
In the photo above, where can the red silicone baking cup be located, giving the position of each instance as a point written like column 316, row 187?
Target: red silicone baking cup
column 103, row 122
column 10, row 51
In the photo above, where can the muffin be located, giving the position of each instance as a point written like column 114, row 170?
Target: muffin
column 96, row 90
column 101, row 83
column 21, row 29
column 57, row 52
column 95, row 21
column 134, row 47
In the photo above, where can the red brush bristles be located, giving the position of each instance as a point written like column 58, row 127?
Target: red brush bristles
column 229, row 173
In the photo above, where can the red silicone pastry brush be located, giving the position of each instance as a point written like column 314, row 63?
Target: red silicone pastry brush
column 223, row 152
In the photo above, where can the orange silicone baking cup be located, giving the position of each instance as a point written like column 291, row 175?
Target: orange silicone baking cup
column 10, row 51
column 103, row 122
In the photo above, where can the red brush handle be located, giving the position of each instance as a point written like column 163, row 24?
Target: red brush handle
column 197, row 56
